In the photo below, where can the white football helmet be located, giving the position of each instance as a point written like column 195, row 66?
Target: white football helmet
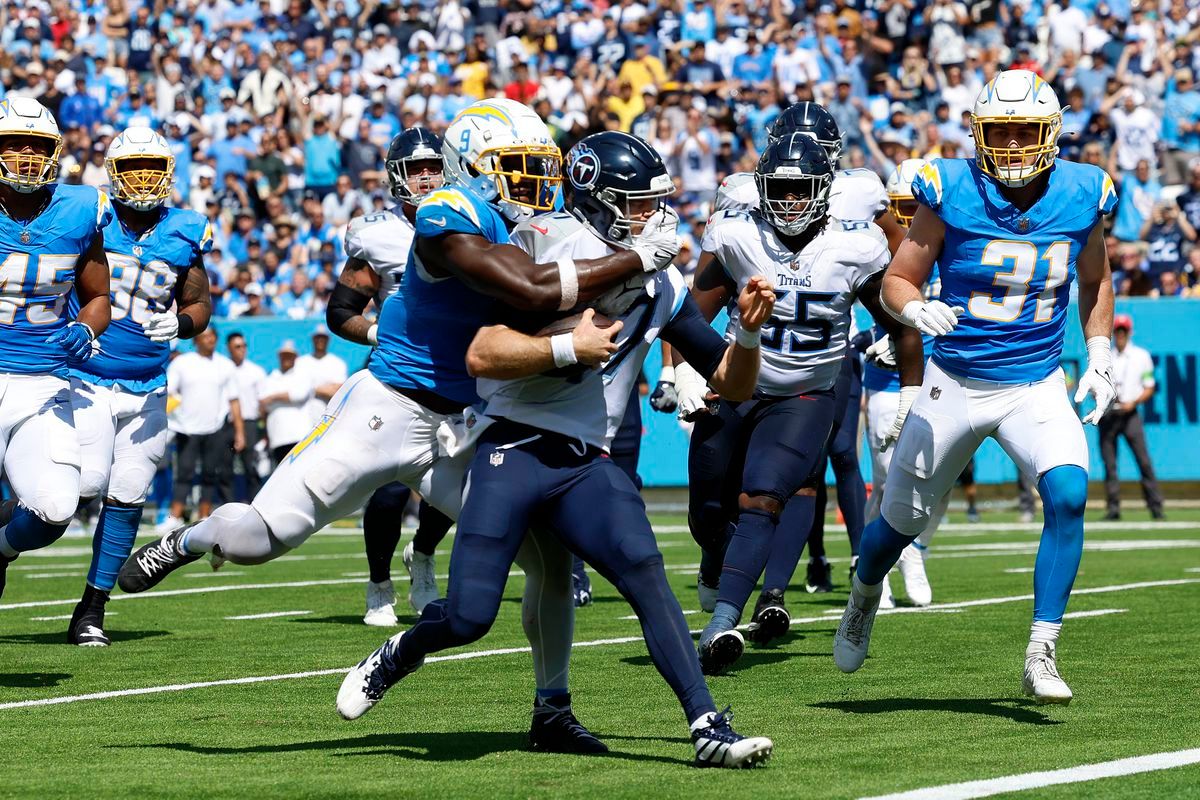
column 32, row 164
column 899, row 190
column 503, row 151
column 141, row 168
column 1017, row 97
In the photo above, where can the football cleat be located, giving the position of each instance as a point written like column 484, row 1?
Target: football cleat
column 366, row 684
column 423, row 588
column 1042, row 681
column 1026, row 517
column 556, row 730
column 973, row 515
column 916, row 582
column 582, row 588
column 718, row 653
column 381, row 604
column 852, row 570
column 719, row 745
column 169, row 524
column 151, row 563
column 818, row 577
column 771, row 618
column 707, row 595
column 853, row 635
column 886, row 598
column 4, row 562
column 87, row 626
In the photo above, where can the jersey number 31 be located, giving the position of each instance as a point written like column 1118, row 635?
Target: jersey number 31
column 1016, row 263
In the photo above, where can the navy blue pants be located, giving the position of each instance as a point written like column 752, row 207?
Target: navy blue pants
column 762, row 448
column 522, row 477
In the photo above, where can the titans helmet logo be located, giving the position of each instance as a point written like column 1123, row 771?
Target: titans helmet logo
column 583, row 167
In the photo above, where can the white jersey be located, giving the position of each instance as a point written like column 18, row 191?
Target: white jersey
column 803, row 343
column 738, row 192
column 591, row 407
column 856, row 195
column 382, row 239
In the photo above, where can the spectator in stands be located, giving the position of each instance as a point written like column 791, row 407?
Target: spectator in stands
column 1133, row 377
column 322, row 159
column 1166, row 232
column 339, row 205
column 1180, row 126
column 284, row 397
column 1138, row 194
column 1189, row 200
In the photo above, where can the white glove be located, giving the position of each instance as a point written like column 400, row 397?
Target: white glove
column 658, row 243
column 907, row 395
column 690, row 387
column 162, row 327
column 1097, row 381
column 934, row 318
column 882, row 354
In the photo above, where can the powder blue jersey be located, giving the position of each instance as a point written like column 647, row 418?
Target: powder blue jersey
column 37, row 274
column 143, row 273
column 882, row 380
column 426, row 327
column 1010, row 269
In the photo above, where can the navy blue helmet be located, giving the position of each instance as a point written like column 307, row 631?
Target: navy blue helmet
column 793, row 177
column 811, row 119
column 414, row 164
column 611, row 177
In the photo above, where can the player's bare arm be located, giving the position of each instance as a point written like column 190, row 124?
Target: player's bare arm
column 239, row 430
column 909, row 271
column 737, row 374
column 910, row 353
column 892, row 229
column 501, row 353
column 194, row 300
column 712, row 287
column 91, row 285
column 1095, row 286
column 356, row 287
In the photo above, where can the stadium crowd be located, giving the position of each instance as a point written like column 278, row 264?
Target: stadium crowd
column 279, row 111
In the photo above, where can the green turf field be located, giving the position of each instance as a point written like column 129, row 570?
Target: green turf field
column 938, row 702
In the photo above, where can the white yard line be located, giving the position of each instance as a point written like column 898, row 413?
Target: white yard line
column 34, row 576
column 1013, row 527
column 1099, row 612
column 271, row 615
column 217, row 573
column 179, row 687
column 1056, row 777
column 1019, row 570
column 66, row 616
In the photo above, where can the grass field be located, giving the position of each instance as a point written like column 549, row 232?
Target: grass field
column 938, row 702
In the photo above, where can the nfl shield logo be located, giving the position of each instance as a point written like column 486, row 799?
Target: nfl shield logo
column 1023, row 224
column 25, row 237
column 496, row 459
column 137, row 250
column 935, row 393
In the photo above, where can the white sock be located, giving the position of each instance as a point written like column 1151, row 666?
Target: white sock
column 702, row 721
column 6, row 549
column 1044, row 632
column 867, row 590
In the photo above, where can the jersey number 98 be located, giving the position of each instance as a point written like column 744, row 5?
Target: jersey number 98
column 138, row 291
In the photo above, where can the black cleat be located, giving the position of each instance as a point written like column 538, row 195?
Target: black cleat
column 721, row 652
column 151, row 563
column 1112, row 516
column 582, row 588
column 4, row 562
column 771, row 618
column 87, row 626
column 719, row 745
column 818, row 577
column 853, row 567
column 556, row 730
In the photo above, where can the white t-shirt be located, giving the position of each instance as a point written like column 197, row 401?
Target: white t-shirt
column 1137, row 133
column 250, row 377
column 329, row 369
column 204, row 386
column 287, row 420
column 1133, row 372
column 697, row 169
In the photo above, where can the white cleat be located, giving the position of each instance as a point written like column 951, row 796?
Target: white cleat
column 381, row 605
column 853, row 635
column 707, row 595
column 365, row 685
column 423, row 589
column 886, row 598
column 167, row 525
column 719, row 745
column 916, row 582
column 1042, row 681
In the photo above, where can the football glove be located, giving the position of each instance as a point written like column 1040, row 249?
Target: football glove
column 658, row 243
column 77, row 341
column 162, row 327
column 664, row 398
column 907, row 395
column 1097, row 381
column 934, row 318
column 882, row 354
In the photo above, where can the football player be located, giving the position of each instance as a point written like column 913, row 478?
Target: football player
column 770, row 445
column 1009, row 230
column 51, row 243
column 543, row 450
column 155, row 259
column 401, row 417
column 377, row 248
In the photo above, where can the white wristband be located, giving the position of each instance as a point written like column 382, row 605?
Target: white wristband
column 745, row 338
column 1099, row 350
column 568, row 282
column 373, row 335
column 562, row 347
column 667, row 375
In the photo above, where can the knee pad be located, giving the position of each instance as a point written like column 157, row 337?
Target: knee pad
column 55, row 508
column 904, row 517
column 242, row 536
column 1065, row 490
column 92, row 482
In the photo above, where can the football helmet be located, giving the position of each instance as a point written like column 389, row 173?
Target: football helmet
column 793, row 178
column 503, row 151
column 411, row 147
column 28, row 166
column 899, row 190
column 813, row 120
column 608, row 174
column 1016, row 97
column 140, row 167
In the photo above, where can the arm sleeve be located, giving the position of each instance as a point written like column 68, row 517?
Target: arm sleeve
column 694, row 338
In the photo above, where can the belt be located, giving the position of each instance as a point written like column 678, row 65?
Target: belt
column 434, row 402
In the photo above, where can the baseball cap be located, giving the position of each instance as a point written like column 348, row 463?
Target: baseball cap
column 320, row 330
column 227, row 93
column 254, row 289
column 1123, row 322
column 898, row 108
column 287, row 346
column 844, row 78
column 381, row 29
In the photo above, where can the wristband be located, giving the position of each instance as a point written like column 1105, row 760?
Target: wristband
column 187, row 326
column 562, row 347
column 1099, row 350
column 373, row 335
column 747, row 339
column 568, row 283
column 667, row 375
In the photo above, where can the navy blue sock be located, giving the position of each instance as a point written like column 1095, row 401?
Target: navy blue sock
column 27, row 531
column 881, row 548
column 432, row 527
column 1064, row 495
column 112, row 543
column 746, row 556
column 790, row 538
column 852, row 499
